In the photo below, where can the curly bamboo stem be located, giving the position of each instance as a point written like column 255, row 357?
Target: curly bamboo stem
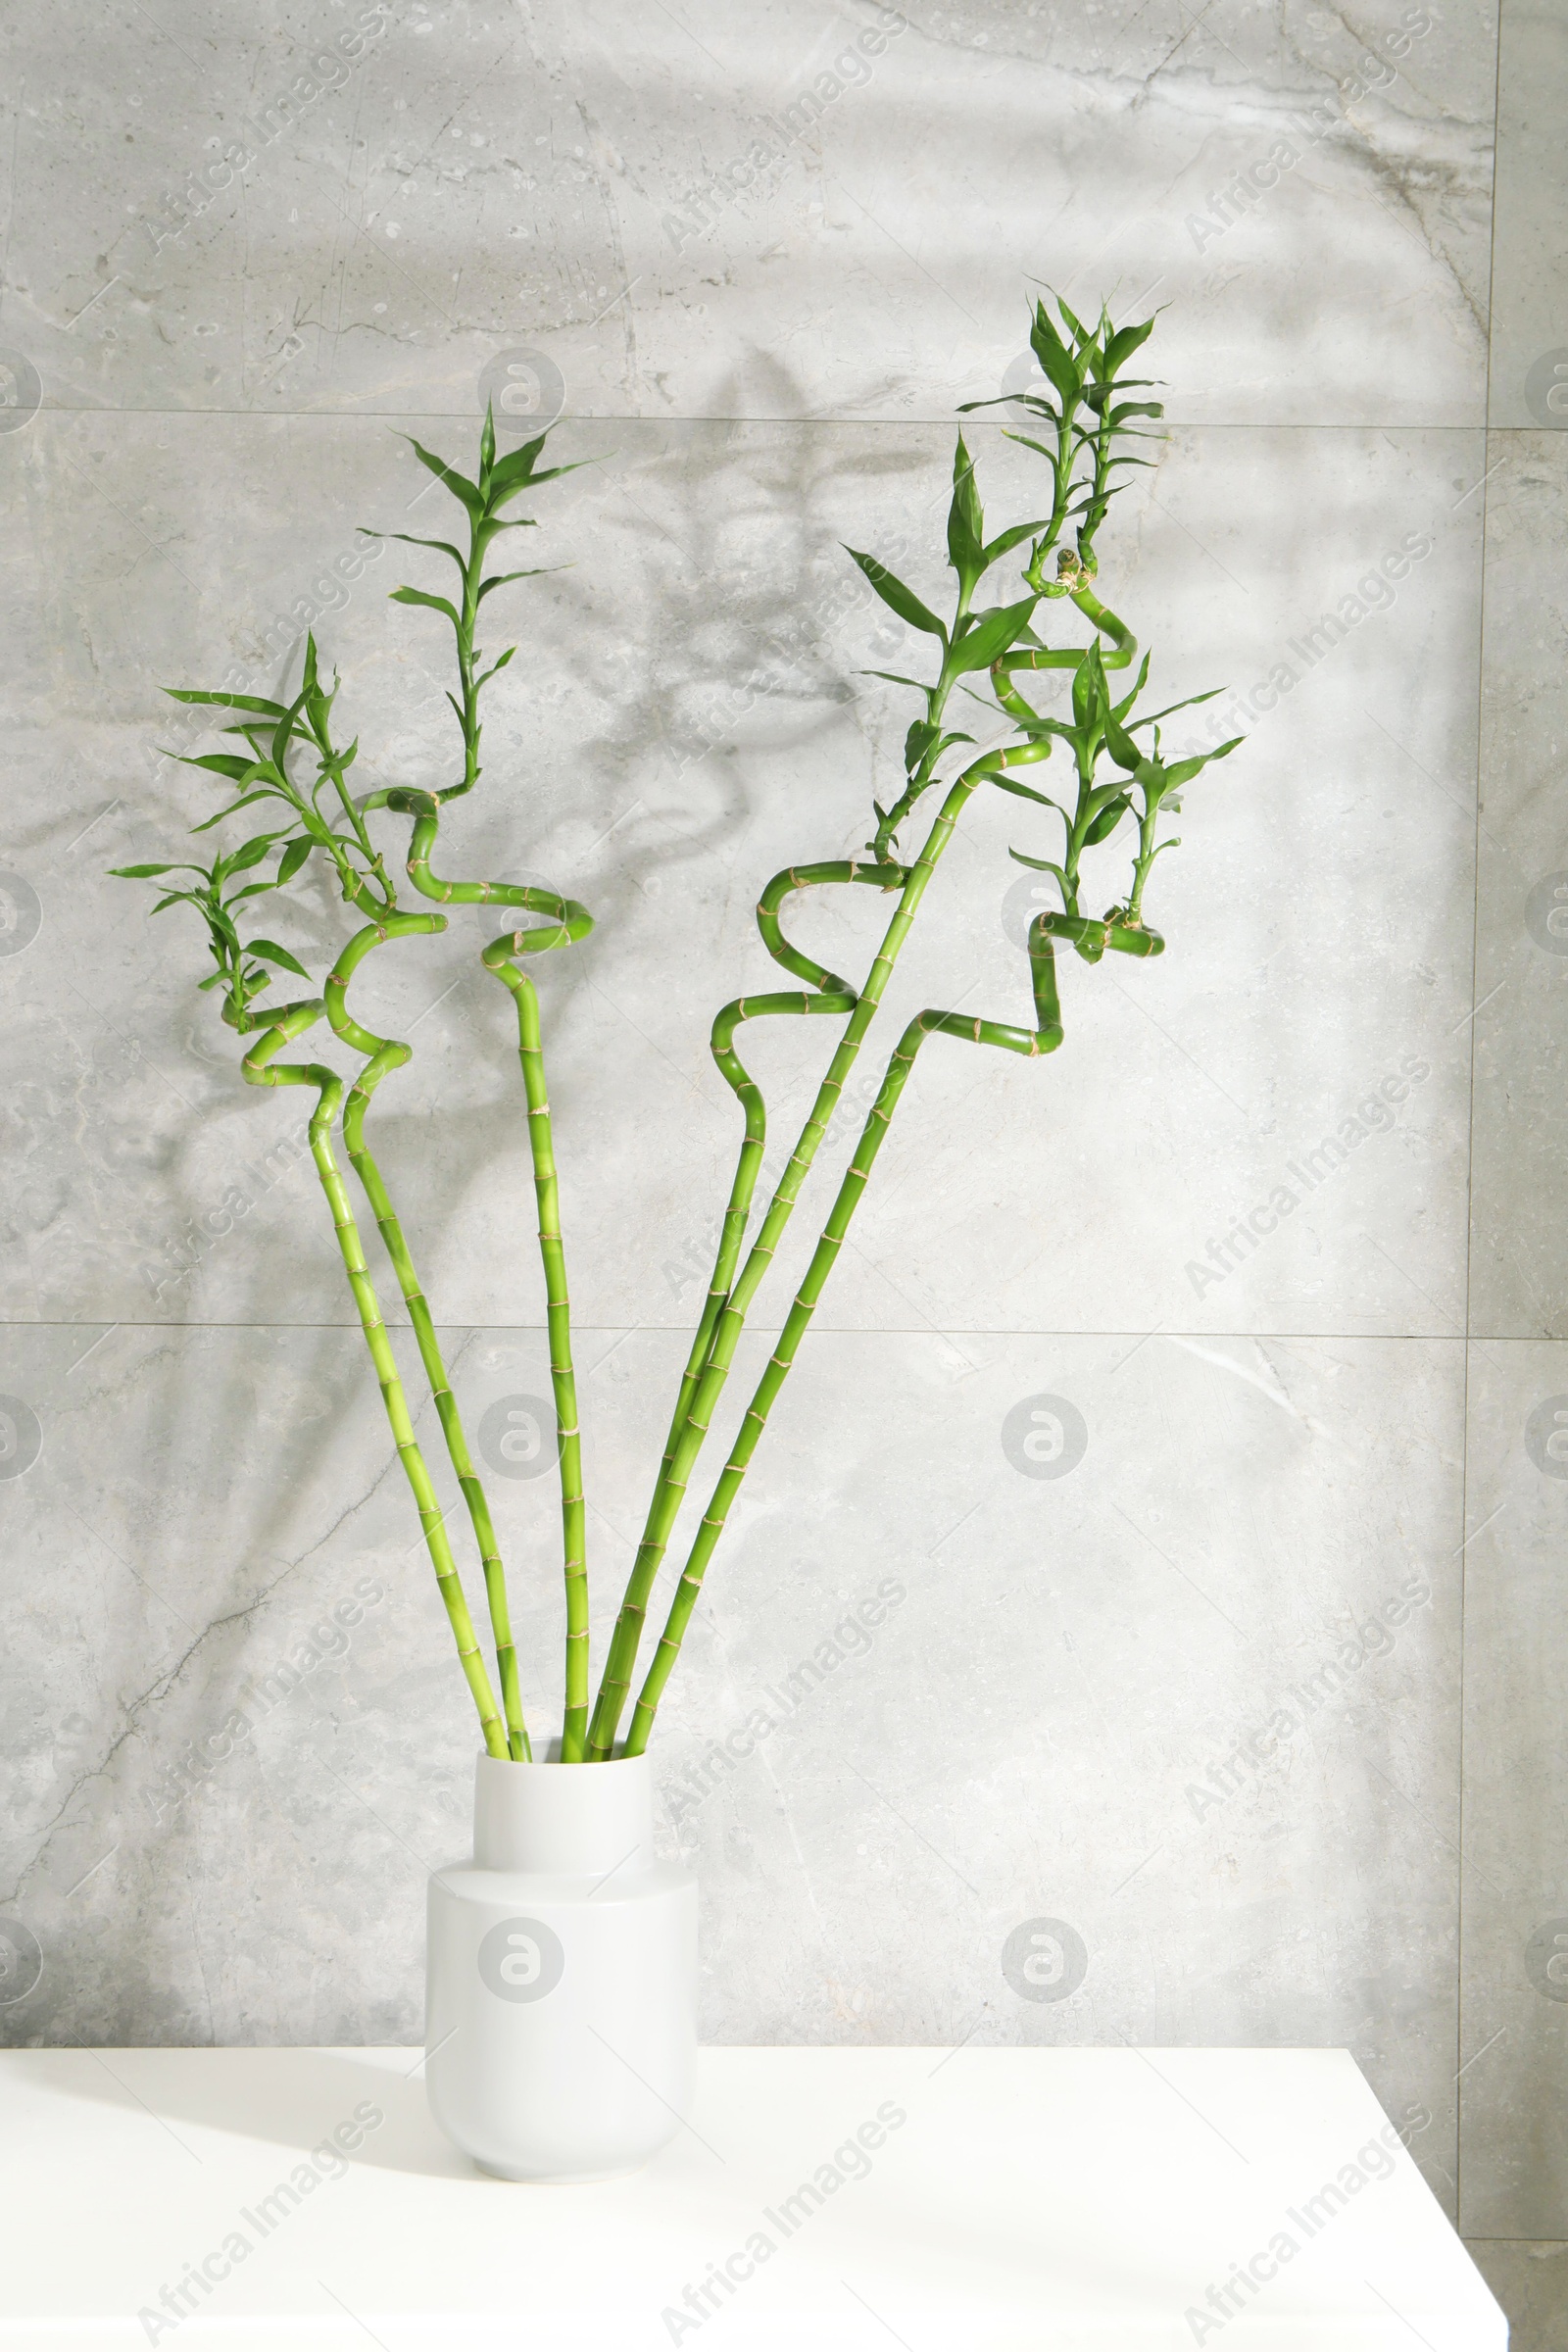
column 615, row 1685
column 701, row 1388
column 837, row 998
column 1044, row 1038
column 569, row 922
column 261, row 1071
column 385, row 1054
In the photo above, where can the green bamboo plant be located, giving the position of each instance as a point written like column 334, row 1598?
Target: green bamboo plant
column 294, row 767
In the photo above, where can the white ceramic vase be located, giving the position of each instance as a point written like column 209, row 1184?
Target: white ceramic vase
column 560, row 2009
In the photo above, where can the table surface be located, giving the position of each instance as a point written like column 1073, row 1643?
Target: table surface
column 1059, row 2199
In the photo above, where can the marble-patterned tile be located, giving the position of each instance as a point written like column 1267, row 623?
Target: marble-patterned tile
column 691, row 713
column 1519, row 1269
column 803, row 212
column 1113, row 1666
column 1514, row 2144
column 1528, row 381
column 1111, row 1703
column 1531, row 2282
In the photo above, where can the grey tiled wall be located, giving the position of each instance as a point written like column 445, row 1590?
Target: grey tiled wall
column 1315, row 1492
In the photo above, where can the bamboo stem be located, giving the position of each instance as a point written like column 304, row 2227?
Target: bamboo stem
column 837, row 997
column 697, row 1405
column 1044, row 1038
column 569, row 922
column 385, row 1054
column 261, row 1071
column 615, row 1685
column 562, row 1375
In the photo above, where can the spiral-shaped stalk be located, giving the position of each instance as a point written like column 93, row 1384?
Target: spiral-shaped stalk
column 261, row 1069
column 568, row 922
column 383, row 1056
column 725, row 1309
column 1092, row 941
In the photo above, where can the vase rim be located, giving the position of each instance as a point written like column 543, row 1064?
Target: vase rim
column 527, row 1762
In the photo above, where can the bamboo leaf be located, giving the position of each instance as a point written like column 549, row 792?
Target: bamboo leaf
column 498, row 579
column 222, row 764
column 207, row 822
column 294, row 857
column 418, row 596
column 283, row 732
column 1123, row 343
column 1186, row 704
column 893, row 594
column 275, row 954
column 1120, row 745
column 1108, row 820
column 144, row 873
column 1027, row 792
column 1184, row 769
column 965, row 520
column 516, row 468
column 1079, row 329
column 459, row 484
column 992, row 633
column 894, row 680
column 922, row 734
column 1054, row 359
column 1121, row 709
column 1004, row 544
column 441, row 545
column 533, row 482
column 226, row 702
column 252, row 854
column 1090, row 695
column 1041, row 866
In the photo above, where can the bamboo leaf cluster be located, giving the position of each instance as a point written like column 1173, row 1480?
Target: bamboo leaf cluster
column 293, row 763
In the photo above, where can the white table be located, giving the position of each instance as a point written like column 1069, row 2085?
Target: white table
column 1051, row 2199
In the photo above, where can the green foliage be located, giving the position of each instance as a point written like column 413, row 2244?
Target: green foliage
column 290, row 763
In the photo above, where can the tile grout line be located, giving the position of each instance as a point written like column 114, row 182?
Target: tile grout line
column 942, row 419
column 1470, row 1158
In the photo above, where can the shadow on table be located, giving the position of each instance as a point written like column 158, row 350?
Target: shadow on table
column 297, row 2098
